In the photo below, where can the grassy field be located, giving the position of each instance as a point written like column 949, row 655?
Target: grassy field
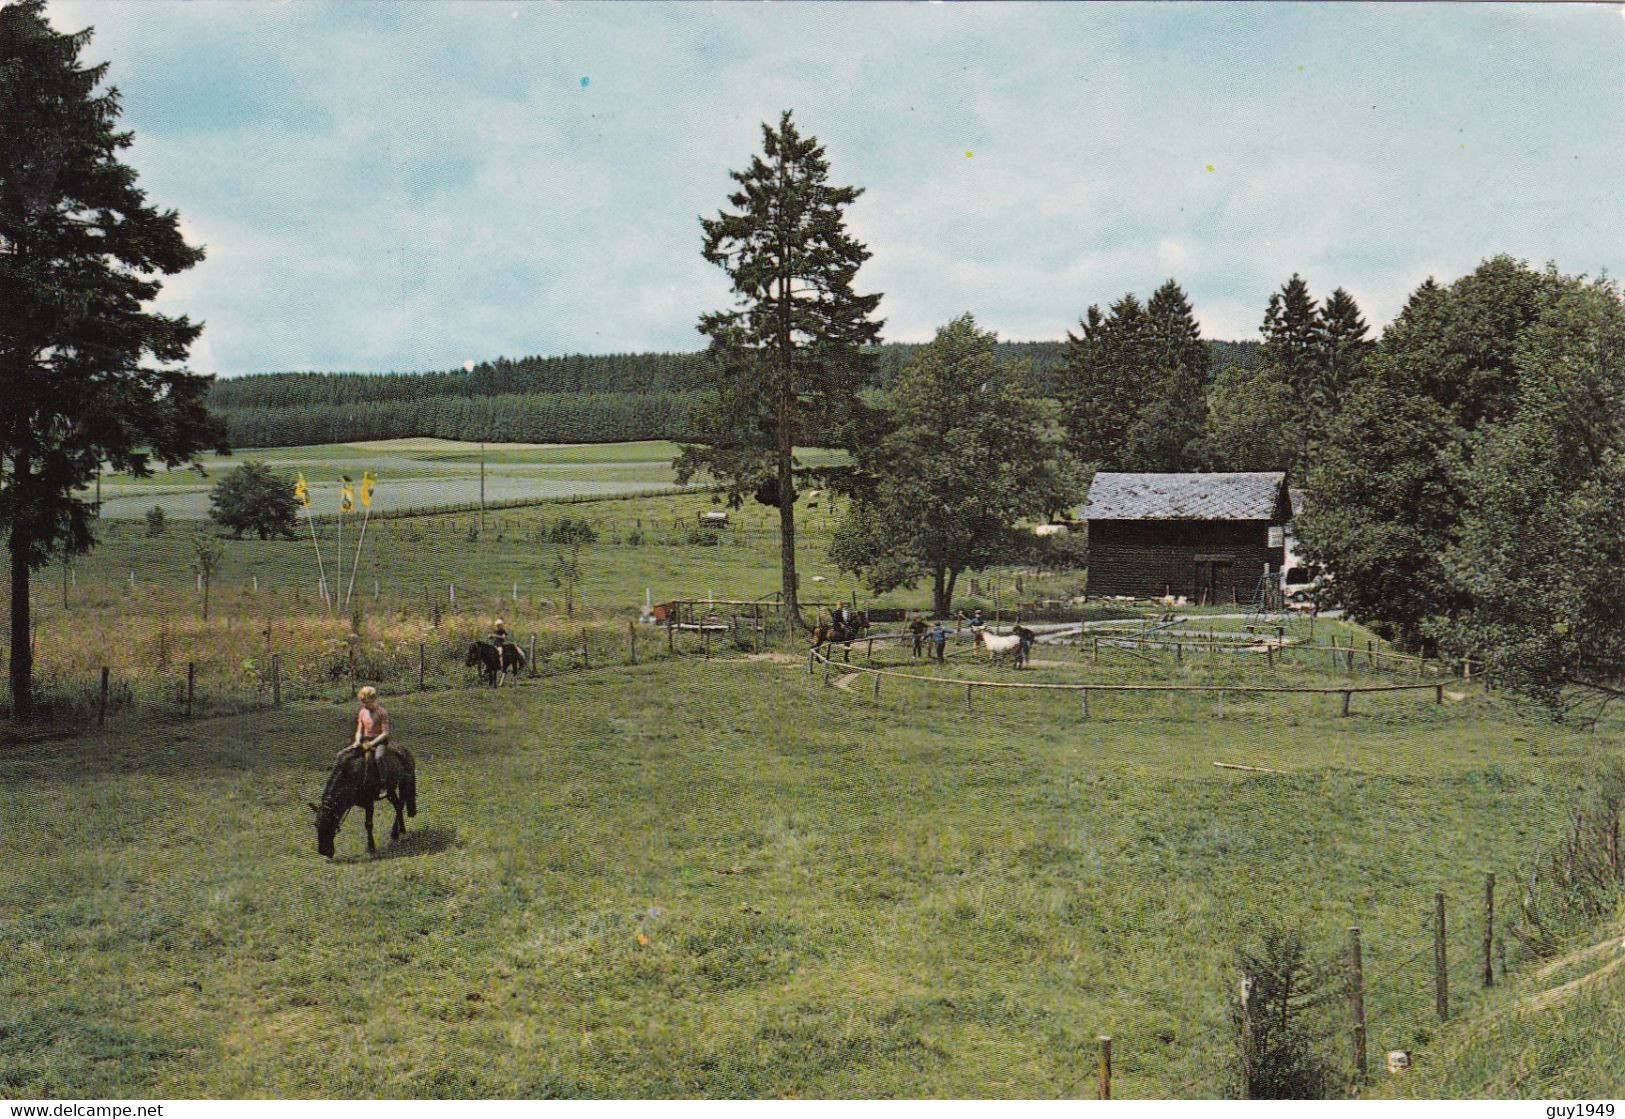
column 722, row 878
column 417, row 473
column 711, row 877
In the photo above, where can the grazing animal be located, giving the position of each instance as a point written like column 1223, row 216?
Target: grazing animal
column 355, row 784
column 997, row 643
column 484, row 655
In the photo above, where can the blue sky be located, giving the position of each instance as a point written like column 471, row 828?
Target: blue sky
column 406, row 186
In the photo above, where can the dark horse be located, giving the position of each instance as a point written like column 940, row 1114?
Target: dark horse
column 484, row 654
column 355, row 784
column 840, row 632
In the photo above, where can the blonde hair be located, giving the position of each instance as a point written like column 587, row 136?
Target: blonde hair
column 366, row 693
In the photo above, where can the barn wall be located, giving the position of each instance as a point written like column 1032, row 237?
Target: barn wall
column 1150, row 558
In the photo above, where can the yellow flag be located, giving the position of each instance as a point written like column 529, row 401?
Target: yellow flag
column 346, row 495
column 301, row 491
column 368, row 483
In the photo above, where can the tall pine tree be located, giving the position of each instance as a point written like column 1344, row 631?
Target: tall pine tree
column 1169, row 423
column 789, row 353
column 89, row 376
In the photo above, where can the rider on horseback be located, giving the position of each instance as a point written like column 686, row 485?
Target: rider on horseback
column 499, row 641
column 371, row 728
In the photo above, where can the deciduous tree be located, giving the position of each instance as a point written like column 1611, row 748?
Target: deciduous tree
column 254, row 497
column 970, row 451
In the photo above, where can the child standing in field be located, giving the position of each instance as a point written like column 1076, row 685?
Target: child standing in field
column 918, row 628
column 939, row 642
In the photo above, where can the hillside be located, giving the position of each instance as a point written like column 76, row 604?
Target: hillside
column 576, row 398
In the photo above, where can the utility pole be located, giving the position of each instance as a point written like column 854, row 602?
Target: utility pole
column 482, row 487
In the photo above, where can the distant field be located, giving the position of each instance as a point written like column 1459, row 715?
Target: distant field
column 418, row 473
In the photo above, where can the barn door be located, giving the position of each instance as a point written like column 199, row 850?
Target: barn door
column 1215, row 583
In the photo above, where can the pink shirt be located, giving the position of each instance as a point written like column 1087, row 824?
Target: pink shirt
column 373, row 723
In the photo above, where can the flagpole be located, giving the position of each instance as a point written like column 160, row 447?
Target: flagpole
column 365, row 517
column 339, row 579
column 326, row 601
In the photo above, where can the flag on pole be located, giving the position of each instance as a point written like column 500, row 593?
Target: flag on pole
column 346, row 494
column 368, row 484
column 302, row 491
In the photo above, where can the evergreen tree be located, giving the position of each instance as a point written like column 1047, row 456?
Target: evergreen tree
column 789, row 356
column 1294, row 337
column 1344, row 331
column 1169, row 423
column 90, row 377
column 1099, row 390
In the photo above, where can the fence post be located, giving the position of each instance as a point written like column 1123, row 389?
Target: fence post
column 1489, row 927
column 1085, row 694
column 1438, row 694
column 533, row 655
column 276, row 679
column 351, row 645
column 1097, row 649
column 1357, row 1000
column 1249, row 1042
column 101, row 711
column 969, row 689
column 191, row 686
column 1105, row 1067
column 877, row 687
column 1346, row 696
column 1269, row 655
column 670, row 631
column 422, row 664
column 1441, row 969
column 632, row 641
column 585, row 662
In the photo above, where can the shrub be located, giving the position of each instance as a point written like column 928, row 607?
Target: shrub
column 1580, row 879
column 567, row 530
column 1287, row 986
column 155, row 521
column 253, row 497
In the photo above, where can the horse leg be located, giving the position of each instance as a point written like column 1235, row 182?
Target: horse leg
column 371, row 845
column 398, row 828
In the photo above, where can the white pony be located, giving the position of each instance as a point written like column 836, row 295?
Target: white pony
column 997, row 643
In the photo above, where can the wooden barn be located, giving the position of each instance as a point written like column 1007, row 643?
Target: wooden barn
column 1205, row 536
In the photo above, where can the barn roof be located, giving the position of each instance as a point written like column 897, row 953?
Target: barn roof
column 1186, row 497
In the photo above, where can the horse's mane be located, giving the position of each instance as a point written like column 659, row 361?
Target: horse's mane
column 334, row 801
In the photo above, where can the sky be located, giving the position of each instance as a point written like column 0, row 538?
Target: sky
column 412, row 186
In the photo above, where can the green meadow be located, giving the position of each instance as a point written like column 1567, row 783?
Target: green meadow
column 717, row 875
column 723, row 878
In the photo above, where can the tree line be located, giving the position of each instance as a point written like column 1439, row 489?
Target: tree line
column 596, row 417
column 570, row 373
column 593, row 398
